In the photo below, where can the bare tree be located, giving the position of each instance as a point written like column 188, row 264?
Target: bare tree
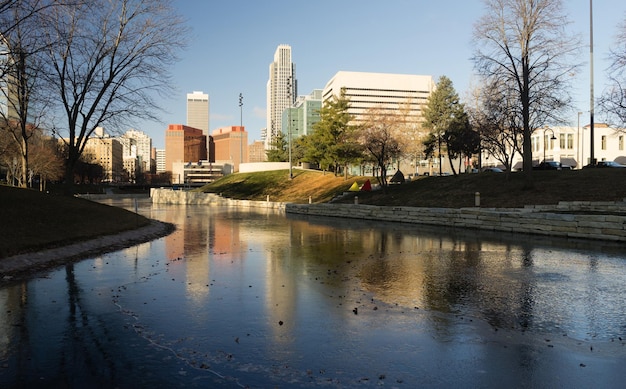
column 523, row 44
column 613, row 100
column 108, row 60
column 497, row 118
column 379, row 136
column 411, row 134
column 21, row 92
column 26, row 9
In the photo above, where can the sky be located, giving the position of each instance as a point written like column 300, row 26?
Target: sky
column 233, row 42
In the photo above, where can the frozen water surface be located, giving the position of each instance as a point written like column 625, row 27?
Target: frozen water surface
column 256, row 299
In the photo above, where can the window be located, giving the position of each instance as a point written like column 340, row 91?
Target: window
column 562, row 141
column 570, row 141
column 620, row 141
column 603, row 142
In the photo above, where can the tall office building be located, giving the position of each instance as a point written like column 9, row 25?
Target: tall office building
column 231, row 144
column 300, row 118
column 282, row 89
column 137, row 145
column 184, row 144
column 391, row 93
column 198, row 111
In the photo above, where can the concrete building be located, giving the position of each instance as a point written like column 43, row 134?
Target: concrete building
column 231, row 144
column 282, row 89
column 300, row 118
column 198, row 173
column 392, row 93
column 571, row 146
column 256, row 152
column 198, row 111
column 136, row 152
column 159, row 157
column 106, row 152
column 183, row 144
column 8, row 91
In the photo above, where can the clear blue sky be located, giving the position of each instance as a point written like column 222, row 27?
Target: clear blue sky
column 233, row 43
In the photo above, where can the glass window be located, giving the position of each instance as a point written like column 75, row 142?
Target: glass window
column 570, row 141
column 603, row 142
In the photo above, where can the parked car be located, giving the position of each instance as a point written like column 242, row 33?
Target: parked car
column 604, row 164
column 492, row 170
column 551, row 165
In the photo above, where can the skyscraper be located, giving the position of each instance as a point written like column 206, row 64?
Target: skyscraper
column 198, row 111
column 282, row 89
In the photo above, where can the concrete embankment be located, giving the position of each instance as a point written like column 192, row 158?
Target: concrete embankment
column 576, row 219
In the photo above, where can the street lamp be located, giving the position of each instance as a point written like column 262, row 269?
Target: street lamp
column 544, row 141
column 581, row 142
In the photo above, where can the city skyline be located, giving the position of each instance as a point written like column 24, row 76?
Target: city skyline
column 327, row 37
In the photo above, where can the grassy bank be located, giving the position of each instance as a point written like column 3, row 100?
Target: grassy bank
column 319, row 186
column 496, row 189
column 31, row 220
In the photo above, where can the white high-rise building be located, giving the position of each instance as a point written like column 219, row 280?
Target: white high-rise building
column 160, row 160
column 282, row 89
column 391, row 93
column 137, row 145
column 198, row 111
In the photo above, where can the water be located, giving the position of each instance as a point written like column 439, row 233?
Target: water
column 244, row 299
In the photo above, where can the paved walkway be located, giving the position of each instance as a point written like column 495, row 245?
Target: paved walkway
column 23, row 265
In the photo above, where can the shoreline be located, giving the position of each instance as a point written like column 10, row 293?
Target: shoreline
column 26, row 265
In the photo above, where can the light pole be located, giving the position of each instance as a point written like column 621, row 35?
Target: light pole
column 592, row 159
column 241, row 128
column 581, row 142
column 544, row 141
column 289, row 94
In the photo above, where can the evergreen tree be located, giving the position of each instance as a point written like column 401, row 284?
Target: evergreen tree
column 278, row 151
column 332, row 144
column 443, row 115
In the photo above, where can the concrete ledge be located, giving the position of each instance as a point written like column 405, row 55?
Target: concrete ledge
column 576, row 219
column 540, row 220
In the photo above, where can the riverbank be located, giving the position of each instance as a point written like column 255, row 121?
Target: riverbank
column 27, row 264
column 576, row 219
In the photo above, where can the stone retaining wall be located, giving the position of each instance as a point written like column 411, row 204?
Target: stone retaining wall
column 168, row 196
column 577, row 219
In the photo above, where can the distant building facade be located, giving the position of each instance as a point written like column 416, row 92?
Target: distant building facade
column 391, row 93
column 282, row 90
column 300, row 118
column 159, row 158
column 107, row 152
column 231, row 144
column 136, row 153
column 572, row 146
column 183, row 144
column 198, row 111
column 257, row 152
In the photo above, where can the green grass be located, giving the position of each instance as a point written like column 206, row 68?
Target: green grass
column 31, row 220
column 497, row 190
column 319, row 186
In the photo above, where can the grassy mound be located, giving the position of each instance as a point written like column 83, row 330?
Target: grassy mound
column 320, row 187
column 32, row 220
column 497, row 190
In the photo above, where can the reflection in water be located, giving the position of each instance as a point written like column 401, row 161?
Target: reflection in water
column 238, row 298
